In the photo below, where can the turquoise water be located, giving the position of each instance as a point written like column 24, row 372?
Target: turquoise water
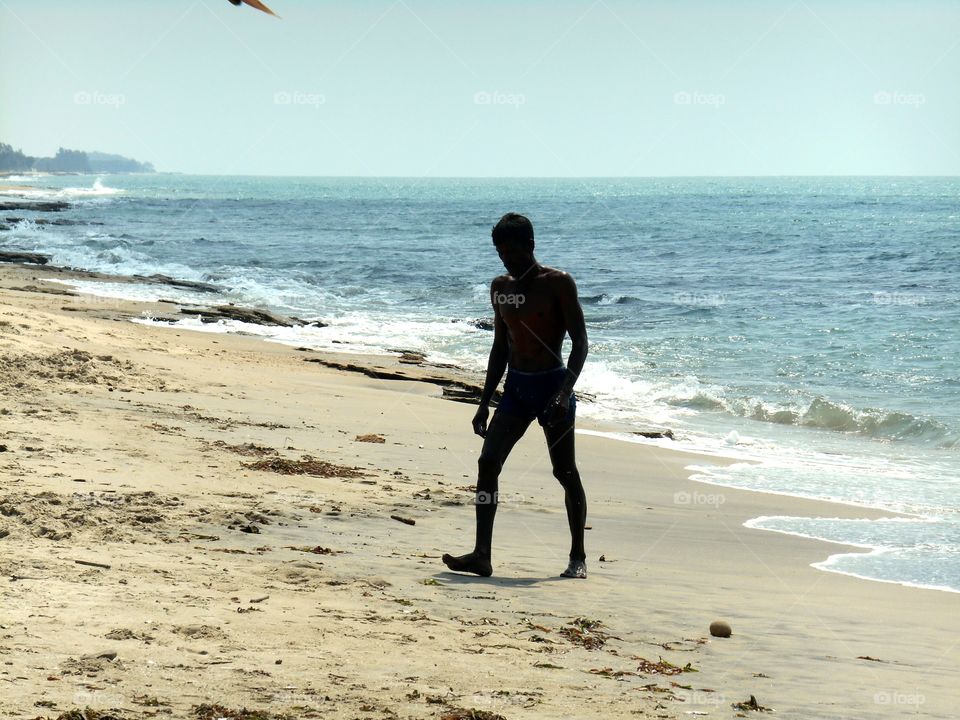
column 810, row 325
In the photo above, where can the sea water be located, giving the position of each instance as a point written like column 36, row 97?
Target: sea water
column 808, row 326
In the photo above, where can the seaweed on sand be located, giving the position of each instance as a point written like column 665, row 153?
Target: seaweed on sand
column 219, row 712
column 307, row 465
column 586, row 633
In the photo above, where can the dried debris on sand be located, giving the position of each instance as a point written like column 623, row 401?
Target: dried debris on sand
column 246, row 449
column 662, row 667
column 585, row 633
column 750, row 704
column 307, row 465
column 463, row 714
column 219, row 712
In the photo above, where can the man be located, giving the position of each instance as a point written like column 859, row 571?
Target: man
column 534, row 307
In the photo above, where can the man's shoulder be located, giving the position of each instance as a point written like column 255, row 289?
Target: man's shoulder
column 500, row 281
column 556, row 276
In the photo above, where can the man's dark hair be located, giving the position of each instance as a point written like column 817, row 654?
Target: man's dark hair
column 513, row 228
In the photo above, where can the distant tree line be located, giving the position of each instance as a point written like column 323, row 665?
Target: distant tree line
column 69, row 161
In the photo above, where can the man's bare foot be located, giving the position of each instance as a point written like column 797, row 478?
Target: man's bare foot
column 471, row 563
column 576, row 569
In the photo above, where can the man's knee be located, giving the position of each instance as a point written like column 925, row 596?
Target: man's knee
column 568, row 477
column 488, row 466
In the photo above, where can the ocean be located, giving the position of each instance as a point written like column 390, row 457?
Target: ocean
column 808, row 327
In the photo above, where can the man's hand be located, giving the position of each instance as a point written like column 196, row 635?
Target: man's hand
column 480, row 420
column 558, row 407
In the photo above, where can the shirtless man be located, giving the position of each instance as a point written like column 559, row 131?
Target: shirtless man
column 534, row 307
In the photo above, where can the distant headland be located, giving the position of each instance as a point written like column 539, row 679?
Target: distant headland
column 72, row 161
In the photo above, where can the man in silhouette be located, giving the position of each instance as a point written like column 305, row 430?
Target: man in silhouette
column 534, row 308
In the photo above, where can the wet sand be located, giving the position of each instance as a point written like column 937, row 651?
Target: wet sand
column 232, row 507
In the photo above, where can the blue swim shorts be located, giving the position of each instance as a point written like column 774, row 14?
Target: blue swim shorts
column 526, row 394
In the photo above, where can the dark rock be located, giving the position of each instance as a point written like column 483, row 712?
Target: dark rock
column 308, row 323
column 469, row 395
column 55, row 221
column 173, row 282
column 412, row 358
column 479, row 323
column 51, row 290
column 653, row 434
column 51, row 206
column 241, row 314
column 23, row 257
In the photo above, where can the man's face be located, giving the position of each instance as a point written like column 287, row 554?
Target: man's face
column 515, row 258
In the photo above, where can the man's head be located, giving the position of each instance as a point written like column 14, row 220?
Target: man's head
column 513, row 238
column 513, row 228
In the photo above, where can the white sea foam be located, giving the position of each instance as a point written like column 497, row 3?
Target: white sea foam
column 31, row 177
column 138, row 292
column 97, row 189
column 356, row 334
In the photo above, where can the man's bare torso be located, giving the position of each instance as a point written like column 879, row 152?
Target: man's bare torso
column 531, row 310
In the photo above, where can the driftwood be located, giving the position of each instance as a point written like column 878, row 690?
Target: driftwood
column 92, row 564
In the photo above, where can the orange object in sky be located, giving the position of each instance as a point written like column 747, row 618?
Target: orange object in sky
column 256, row 4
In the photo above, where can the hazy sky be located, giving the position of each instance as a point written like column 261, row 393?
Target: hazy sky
column 489, row 87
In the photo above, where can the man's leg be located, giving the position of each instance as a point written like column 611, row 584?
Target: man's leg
column 502, row 434
column 560, row 444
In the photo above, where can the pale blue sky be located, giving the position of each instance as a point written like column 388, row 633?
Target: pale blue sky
column 489, row 87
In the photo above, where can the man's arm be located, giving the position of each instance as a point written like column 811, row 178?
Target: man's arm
column 496, row 365
column 577, row 328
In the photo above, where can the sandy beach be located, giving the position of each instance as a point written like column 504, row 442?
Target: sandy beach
column 200, row 525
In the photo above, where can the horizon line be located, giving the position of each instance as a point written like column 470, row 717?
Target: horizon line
column 490, row 177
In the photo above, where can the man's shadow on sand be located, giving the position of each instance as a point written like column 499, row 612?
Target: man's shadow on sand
column 455, row 578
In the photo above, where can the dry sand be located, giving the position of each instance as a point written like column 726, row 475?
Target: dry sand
column 211, row 577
